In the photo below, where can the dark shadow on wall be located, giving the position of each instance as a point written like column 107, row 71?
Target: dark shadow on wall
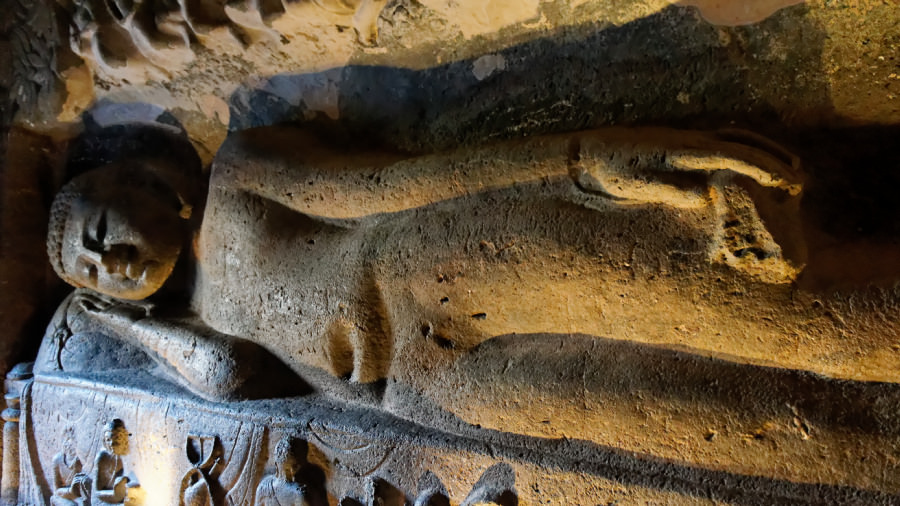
column 851, row 210
column 670, row 68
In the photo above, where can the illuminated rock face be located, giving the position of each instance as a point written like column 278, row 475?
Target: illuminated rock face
column 400, row 253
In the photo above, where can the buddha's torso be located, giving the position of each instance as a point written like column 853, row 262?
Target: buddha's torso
column 504, row 304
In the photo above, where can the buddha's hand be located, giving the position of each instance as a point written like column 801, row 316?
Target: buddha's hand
column 92, row 311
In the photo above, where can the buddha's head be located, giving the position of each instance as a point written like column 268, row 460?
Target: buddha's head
column 118, row 229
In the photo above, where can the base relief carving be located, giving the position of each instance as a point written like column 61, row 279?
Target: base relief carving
column 71, row 486
column 205, row 455
column 110, row 480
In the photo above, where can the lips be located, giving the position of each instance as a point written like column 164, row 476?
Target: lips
column 133, row 271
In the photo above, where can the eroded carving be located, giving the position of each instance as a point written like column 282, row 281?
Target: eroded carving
column 352, row 453
column 117, row 33
column 495, row 487
column 110, row 481
column 381, row 491
column 431, row 491
column 205, row 455
column 295, row 481
column 244, row 469
column 72, row 487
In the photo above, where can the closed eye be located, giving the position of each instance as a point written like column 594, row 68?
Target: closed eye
column 100, row 233
column 92, row 236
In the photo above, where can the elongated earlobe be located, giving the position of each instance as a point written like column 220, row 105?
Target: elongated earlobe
column 186, row 209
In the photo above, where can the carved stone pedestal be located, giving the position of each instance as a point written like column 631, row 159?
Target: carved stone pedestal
column 182, row 450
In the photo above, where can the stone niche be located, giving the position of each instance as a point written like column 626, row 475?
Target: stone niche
column 342, row 252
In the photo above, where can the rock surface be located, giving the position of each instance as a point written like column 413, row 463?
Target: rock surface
column 454, row 252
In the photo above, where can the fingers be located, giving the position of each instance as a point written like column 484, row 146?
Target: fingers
column 92, row 301
column 146, row 308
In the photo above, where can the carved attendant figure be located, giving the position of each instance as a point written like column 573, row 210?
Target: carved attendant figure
column 110, row 482
column 72, row 487
column 282, row 488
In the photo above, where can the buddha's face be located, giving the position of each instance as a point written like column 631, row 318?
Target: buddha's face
column 122, row 242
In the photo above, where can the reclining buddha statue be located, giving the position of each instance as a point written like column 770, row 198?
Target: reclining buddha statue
column 554, row 286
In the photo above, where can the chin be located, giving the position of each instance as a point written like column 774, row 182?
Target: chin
column 141, row 291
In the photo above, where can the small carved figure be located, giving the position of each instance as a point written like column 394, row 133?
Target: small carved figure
column 281, row 488
column 196, row 490
column 110, row 481
column 71, row 486
column 287, row 486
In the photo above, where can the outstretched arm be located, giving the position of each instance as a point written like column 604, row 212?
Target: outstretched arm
column 308, row 175
column 629, row 165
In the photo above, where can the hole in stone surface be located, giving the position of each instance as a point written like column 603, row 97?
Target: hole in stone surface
column 443, row 342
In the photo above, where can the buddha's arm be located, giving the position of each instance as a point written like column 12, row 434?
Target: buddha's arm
column 339, row 186
column 210, row 363
column 661, row 165
column 622, row 164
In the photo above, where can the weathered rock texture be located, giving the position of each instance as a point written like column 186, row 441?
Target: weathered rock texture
column 437, row 252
